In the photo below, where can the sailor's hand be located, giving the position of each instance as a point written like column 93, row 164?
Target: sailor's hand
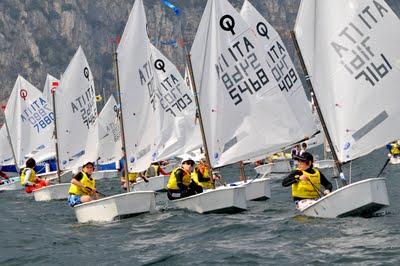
column 303, row 178
column 216, row 177
column 326, row 192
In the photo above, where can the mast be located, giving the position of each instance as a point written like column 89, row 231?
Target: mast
column 328, row 137
column 126, row 177
column 53, row 96
column 196, row 98
column 9, row 141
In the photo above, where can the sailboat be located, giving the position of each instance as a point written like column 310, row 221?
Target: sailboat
column 110, row 146
column 76, row 129
column 349, row 48
column 236, row 90
column 177, row 102
column 7, row 162
column 134, row 74
column 50, row 84
column 29, row 120
column 287, row 78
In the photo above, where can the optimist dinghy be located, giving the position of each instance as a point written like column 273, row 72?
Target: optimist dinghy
column 353, row 130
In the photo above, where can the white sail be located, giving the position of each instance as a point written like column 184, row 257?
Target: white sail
column 282, row 67
column 141, row 113
column 76, row 112
column 351, row 50
column 243, row 109
column 110, row 146
column 50, row 83
column 6, row 157
column 30, row 122
column 179, row 108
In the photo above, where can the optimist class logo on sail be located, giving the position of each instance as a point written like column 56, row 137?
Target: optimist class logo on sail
column 353, row 46
column 85, row 104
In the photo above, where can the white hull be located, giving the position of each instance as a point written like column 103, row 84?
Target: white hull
column 324, row 164
column 357, row 199
column 395, row 160
column 13, row 183
column 264, row 169
column 115, row 207
column 157, row 183
column 52, row 176
column 256, row 189
column 281, row 166
column 53, row 192
column 222, row 199
column 105, row 174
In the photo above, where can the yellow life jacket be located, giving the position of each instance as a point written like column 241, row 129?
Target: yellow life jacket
column 395, row 149
column 206, row 184
column 86, row 182
column 153, row 170
column 32, row 177
column 132, row 177
column 306, row 190
column 172, row 182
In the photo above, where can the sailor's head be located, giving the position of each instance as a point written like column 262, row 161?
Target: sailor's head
column 30, row 163
column 88, row 168
column 187, row 163
column 304, row 161
column 304, row 145
column 202, row 165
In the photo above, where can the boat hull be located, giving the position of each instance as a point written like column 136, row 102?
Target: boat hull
column 105, row 174
column 13, row 183
column 156, row 183
column 264, row 169
column 115, row 207
column 220, row 200
column 394, row 160
column 281, row 166
column 324, row 164
column 362, row 198
column 52, row 176
column 53, row 192
column 257, row 189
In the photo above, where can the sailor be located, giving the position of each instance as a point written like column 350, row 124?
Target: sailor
column 3, row 175
column 306, row 180
column 83, row 186
column 394, row 149
column 29, row 179
column 180, row 184
column 155, row 169
column 201, row 175
column 303, row 148
column 295, row 152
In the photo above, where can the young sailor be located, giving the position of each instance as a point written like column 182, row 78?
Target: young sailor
column 155, row 169
column 29, row 179
column 303, row 148
column 83, row 186
column 180, row 184
column 306, row 180
column 394, row 149
column 201, row 175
